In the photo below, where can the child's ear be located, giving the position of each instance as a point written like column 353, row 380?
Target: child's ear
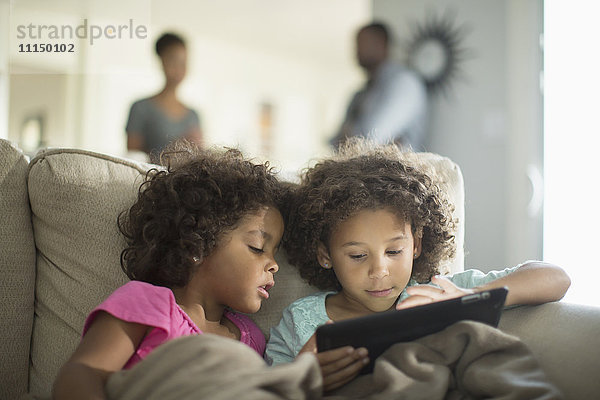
column 417, row 243
column 323, row 256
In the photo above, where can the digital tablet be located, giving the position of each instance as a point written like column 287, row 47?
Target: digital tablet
column 379, row 331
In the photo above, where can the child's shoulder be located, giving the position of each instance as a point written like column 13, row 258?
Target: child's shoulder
column 311, row 303
column 301, row 318
column 140, row 291
column 139, row 288
column 140, row 298
column 138, row 302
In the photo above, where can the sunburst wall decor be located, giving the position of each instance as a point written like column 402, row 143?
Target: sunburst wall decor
column 436, row 51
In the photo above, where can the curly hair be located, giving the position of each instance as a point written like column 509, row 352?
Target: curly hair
column 182, row 212
column 362, row 175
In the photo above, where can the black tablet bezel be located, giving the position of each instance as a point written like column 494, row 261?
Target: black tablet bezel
column 379, row 331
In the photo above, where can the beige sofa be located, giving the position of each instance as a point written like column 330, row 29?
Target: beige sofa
column 59, row 257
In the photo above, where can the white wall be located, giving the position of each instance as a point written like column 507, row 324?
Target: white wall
column 474, row 124
column 524, row 193
column 49, row 103
column 46, row 83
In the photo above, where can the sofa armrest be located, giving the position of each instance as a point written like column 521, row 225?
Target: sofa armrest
column 565, row 338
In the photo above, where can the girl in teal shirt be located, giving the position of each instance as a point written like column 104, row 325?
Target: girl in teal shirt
column 367, row 228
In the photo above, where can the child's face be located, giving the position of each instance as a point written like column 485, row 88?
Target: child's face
column 372, row 256
column 240, row 270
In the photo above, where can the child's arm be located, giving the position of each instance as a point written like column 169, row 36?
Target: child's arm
column 104, row 349
column 534, row 282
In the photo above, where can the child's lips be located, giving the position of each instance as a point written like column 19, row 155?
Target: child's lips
column 264, row 289
column 380, row 293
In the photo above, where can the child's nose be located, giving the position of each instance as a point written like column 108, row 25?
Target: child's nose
column 272, row 267
column 378, row 269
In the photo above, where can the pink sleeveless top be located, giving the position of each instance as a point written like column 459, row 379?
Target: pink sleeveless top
column 155, row 306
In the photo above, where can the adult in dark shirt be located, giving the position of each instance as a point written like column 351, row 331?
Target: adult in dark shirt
column 392, row 105
column 156, row 121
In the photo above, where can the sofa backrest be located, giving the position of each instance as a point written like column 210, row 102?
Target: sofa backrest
column 75, row 197
column 17, row 272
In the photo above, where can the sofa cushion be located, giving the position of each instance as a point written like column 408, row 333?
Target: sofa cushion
column 17, row 268
column 75, row 198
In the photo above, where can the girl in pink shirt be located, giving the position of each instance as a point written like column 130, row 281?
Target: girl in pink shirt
column 201, row 240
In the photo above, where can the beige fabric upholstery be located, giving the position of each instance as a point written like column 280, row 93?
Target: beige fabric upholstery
column 17, row 267
column 75, row 200
column 565, row 339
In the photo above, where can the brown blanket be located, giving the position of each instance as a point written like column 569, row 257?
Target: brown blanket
column 468, row 360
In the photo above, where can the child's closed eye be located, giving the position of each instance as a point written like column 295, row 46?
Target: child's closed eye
column 394, row 252
column 256, row 249
column 357, row 256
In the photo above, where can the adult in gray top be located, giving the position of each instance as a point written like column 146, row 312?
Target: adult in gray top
column 156, row 121
column 392, row 106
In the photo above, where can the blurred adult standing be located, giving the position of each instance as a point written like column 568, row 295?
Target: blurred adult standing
column 156, row 121
column 392, row 106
